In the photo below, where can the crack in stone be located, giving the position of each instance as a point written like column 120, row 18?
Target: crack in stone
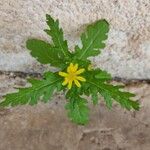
column 39, row 75
column 20, row 74
column 131, row 81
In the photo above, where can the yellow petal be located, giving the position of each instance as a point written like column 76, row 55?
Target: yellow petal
column 63, row 74
column 72, row 68
column 80, row 78
column 80, row 71
column 75, row 67
column 65, row 82
column 69, row 69
column 77, row 83
column 70, row 85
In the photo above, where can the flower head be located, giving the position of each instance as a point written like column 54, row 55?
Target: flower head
column 72, row 76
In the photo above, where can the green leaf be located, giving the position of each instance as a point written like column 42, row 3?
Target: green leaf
column 102, row 75
column 44, row 52
column 81, row 63
column 94, row 94
column 56, row 34
column 111, row 92
column 108, row 99
column 97, row 83
column 92, row 40
column 40, row 89
column 77, row 108
column 88, row 89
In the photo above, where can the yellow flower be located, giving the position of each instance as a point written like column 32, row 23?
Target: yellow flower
column 72, row 76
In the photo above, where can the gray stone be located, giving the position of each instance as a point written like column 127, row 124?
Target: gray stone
column 127, row 54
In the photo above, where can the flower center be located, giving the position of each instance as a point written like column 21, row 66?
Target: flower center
column 72, row 76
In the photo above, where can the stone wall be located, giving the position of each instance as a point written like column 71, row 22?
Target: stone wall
column 127, row 56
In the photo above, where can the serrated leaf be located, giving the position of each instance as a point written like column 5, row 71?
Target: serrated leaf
column 94, row 97
column 92, row 40
column 77, row 108
column 44, row 52
column 56, row 34
column 39, row 89
column 107, row 98
column 111, row 92
column 94, row 94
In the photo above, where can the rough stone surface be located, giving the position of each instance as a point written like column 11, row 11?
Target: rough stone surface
column 127, row 53
column 46, row 127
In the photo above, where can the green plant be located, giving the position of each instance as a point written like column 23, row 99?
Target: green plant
column 76, row 76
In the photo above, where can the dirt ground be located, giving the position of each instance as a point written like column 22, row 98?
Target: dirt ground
column 46, row 127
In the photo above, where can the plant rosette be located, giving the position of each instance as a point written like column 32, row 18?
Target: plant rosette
column 76, row 76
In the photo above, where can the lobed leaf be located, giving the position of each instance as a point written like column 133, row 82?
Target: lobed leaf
column 39, row 89
column 77, row 108
column 56, row 34
column 44, row 52
column 111, row 92
column 92, row 40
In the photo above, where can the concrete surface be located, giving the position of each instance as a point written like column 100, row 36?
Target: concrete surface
column 127, row 53
column 127, row 56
